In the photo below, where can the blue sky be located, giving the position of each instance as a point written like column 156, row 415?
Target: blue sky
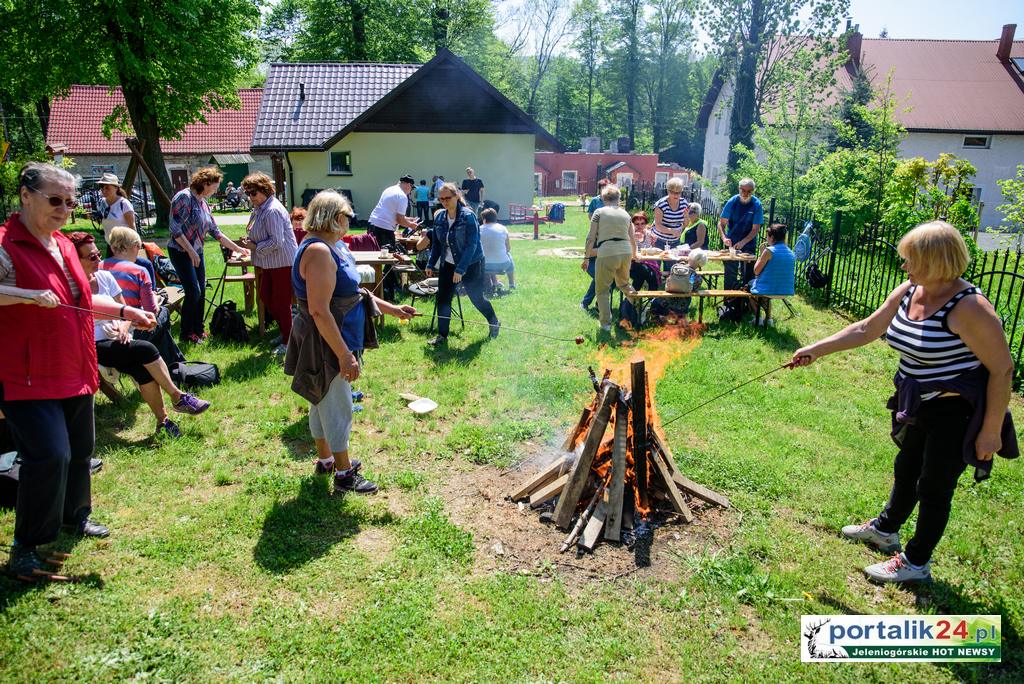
column 972, row 20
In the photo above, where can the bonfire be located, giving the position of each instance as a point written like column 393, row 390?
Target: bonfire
column 617, row 469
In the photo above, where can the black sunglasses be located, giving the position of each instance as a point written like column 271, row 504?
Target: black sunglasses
column 54, row 200
column 252, row 193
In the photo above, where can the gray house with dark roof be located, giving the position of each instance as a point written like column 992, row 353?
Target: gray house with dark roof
column 359, row 126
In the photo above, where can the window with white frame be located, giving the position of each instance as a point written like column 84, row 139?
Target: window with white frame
column 718, row 124
column 538, row 183
column 569, row 180
column 341, row 164
column 624, row 180
column 975, row 195
column 660, row 179
column 980, row 142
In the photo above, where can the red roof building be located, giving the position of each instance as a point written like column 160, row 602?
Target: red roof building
column 225, row 138
column 575, row 173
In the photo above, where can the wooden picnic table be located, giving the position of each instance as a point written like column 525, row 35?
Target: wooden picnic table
column 374, row 258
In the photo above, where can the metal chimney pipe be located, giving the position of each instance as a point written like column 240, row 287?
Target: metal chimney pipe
column 1006, row 43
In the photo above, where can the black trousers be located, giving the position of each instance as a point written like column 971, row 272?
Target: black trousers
column 55, row 439
column 738, row 274
column 193, row 282
column 386, row 238
column 926, row 471
column 423, row 212
column 473, row 282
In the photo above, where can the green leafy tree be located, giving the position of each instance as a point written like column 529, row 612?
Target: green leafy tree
column 175, row 60
column 1012, row 209
column 669, row 27
column 755, row 38
column 591, row 28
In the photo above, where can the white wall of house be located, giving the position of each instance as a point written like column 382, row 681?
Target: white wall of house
column 716, row 138
column 996, row 162
column 503, row 161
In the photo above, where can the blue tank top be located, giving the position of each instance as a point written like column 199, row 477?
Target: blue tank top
column 779, row 274
column 346, row 284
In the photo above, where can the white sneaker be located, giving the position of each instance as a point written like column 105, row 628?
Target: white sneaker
column 606, row 328
column 898, row 569
column 280, row 350
column 868, row 533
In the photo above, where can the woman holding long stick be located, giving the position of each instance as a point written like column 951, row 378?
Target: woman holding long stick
column 48, row 371
column 952, row 392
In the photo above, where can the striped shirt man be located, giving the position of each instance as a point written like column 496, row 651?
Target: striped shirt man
column 270, row 231
column 136, row 286
column 671, row 220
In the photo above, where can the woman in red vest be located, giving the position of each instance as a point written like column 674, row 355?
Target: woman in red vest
column 48, row 364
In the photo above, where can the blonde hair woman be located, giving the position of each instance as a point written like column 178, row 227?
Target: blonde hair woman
column 952, row 390
column 327, row 335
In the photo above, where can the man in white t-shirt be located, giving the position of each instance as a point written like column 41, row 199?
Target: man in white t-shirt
column 497, row 250
column 390, row 212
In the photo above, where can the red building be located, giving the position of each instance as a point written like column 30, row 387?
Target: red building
column 577, row 173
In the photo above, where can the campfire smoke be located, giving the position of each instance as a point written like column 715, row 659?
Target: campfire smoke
column 618, row 469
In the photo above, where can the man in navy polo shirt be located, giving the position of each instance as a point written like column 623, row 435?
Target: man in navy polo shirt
column 742, row 218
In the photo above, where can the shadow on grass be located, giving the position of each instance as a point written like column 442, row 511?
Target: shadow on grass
column 945, row 598
column 250, row 367
column 445, row 354
column 307, row 527
column 112, row 418
column 12, row 589
column 298, row 440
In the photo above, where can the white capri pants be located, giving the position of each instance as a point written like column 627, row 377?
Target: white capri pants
column 331, row 419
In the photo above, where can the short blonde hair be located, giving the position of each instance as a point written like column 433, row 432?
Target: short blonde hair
column 123, row 238
column 674, row 183
column 935, row 251
column 323, row 212
column 610, row 193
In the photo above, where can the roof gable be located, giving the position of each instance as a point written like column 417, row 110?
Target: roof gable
column 77, row 122
column 432, row 97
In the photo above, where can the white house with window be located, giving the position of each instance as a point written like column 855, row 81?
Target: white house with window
column 965, row 97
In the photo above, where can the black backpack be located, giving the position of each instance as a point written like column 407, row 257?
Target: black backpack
column 165, row 269
column 228, row 324
column 191, row 374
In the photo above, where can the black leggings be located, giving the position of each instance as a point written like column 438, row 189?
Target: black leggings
column 130, row 358
column 926, row 471
column 473, row 282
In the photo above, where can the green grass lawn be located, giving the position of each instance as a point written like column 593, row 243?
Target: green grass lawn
column 229, row 561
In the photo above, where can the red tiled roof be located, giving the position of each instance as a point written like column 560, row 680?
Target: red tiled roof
column 950, row 85
column 77, row 121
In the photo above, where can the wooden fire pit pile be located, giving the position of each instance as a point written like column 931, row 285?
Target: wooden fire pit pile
column 606, row 484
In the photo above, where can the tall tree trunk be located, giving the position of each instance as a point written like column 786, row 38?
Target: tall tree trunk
column 147, row 129
column 358, row 31
column 590, row 99
column 741, row 127
column 632, row 73
column 43, row 112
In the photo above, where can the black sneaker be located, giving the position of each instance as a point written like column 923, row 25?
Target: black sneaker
column 322, row 469
column 24, row 561
column 438, row 341
column 88, row 528
column 494, row 328
column 352, row 481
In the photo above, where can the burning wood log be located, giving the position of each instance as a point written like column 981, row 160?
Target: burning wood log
column 581, row 523
column 581, row 426
column 592, row 532
column 638, row 373
column 613, row 498
column 678, row 504
column 557, row 467
column 549, row 491
column 581, row 469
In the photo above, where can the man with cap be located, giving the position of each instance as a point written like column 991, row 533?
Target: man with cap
column 391, row 211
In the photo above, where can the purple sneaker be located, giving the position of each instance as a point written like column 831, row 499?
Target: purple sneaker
column 191, row 404
column 170, row 428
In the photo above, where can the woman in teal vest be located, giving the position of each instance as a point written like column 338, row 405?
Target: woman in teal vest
column 775, row 270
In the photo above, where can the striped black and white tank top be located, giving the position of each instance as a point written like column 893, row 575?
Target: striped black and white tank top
column 928, row 349
column 671, row 219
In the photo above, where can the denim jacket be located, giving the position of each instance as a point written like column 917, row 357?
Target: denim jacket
column 463, row 238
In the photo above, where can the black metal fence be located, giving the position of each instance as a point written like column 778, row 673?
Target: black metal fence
column 861, row 267
column 88, row 215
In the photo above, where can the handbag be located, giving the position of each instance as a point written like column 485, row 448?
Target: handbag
column 681, row 280
column 195, row 374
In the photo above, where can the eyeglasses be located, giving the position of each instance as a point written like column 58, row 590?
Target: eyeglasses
column 444, row 198
column 637, row 222
column 675, row 192
column 54, row 200
column 95, row 256
column 252, row 193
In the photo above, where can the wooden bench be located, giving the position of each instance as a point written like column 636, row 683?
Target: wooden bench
column 762, row 301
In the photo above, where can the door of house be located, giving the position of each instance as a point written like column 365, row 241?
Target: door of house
column 179, row 179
